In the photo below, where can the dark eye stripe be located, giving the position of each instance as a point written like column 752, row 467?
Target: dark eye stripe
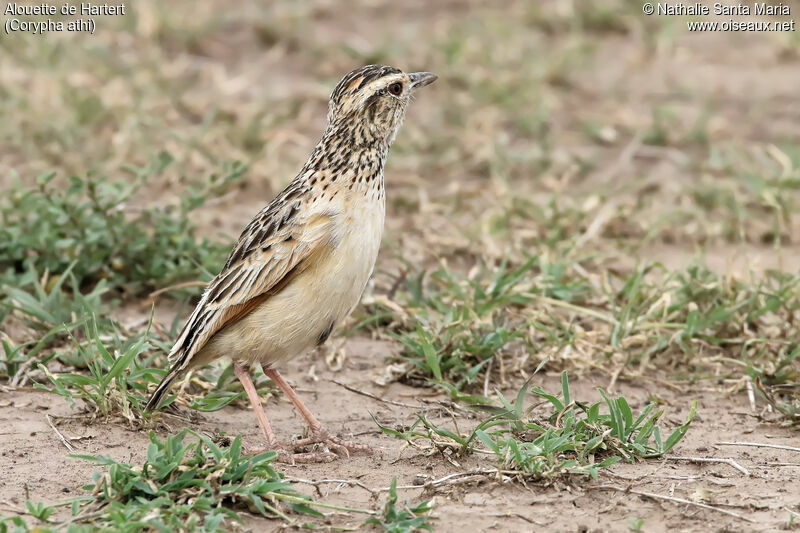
column 369, row 73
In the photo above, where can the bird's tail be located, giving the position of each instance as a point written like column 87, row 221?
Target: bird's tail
column 163, row 387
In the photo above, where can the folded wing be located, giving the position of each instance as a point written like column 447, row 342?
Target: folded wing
column 273, row 249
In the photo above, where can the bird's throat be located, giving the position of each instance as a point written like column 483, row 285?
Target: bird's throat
column 346, row 160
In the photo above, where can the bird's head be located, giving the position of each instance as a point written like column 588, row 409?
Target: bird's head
column 371, row 101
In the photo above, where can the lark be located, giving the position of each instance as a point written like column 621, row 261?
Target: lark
column 301, row 265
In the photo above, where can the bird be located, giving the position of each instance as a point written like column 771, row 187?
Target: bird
column 301, row 265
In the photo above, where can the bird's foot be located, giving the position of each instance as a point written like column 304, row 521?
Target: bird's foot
column 286, row 454
column 332, row 448
column 335, row 444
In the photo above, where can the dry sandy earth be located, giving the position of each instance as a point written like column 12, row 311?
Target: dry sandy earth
column 40, row 470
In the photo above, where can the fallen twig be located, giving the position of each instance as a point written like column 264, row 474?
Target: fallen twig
column 759, row 445
column 486, row 377
column 60, row 436
column 11, row 507
column 520, row 516
column 21, row 376
column 671, row 499
column 451, row 479
column 653, row 473
column 726, row 461
column 374, row 397
column 748, row 384
column 351, row 482
column 396, row 284
column 443, row 404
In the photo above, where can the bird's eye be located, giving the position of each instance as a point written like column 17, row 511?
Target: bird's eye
column 396, row 88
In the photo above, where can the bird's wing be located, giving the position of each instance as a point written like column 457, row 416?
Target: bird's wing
column 273, row 249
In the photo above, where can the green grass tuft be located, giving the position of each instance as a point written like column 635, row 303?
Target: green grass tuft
column 573, row 438
column 182, row 486
column 405, row 520
column 88, row 229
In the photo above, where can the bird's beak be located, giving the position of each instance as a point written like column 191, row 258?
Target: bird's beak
column 421, row 79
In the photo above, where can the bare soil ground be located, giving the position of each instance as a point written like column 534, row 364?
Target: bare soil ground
column 40, row 469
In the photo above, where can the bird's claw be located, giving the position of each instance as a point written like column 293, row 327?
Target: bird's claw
column 286, row 454
column 333, row 447
column 339, row 446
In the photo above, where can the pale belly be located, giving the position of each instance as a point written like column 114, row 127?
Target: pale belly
column 304, row 312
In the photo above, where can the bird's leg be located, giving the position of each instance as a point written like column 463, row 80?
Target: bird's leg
column 318, row 433
column 243, row 373
column 287, row 456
